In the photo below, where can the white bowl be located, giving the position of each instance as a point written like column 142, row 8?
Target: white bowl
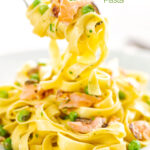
column 11, row 62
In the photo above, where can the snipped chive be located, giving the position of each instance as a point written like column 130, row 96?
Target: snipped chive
column 41, row 64
column 70, row 72
column 51, row 27
column 42, row 114
column 86, row 90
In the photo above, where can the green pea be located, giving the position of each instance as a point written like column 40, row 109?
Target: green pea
column 24, row 115
column 86, row 90
column 35, row 76
column 86, row 9
column 134, row 145
column 3, row 132
column 122, row 95
column 35, row 3
column 42, row 9
column 73, row 116
column 7, row 144
column 3, row 94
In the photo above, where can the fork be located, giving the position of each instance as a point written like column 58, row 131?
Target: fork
column 26, row 3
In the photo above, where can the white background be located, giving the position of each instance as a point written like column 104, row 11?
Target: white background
column 128, row 20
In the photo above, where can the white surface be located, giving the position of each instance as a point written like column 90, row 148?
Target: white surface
column 10, row 63
column 130, row 19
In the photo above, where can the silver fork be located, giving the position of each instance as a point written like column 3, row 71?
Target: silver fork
column 95, row 6
column 26, row 3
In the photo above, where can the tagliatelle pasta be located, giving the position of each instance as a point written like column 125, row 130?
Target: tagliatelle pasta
column 74, row 100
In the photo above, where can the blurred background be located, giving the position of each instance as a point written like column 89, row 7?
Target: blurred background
column 129, row 26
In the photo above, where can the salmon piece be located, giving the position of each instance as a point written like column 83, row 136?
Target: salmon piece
column 75, row 100
column 32, row 91
column 68, row 9
column 29, row 92
column 86, row 127
column 140, row 129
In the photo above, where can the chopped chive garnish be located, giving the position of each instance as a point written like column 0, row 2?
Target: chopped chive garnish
column 86, row 9
column 24, row 115
column 35, row 76
column 3, row 94
column 35, row 3
column 3, row 132
column 122, row 95
column 86, row 90
column 51, row 27
column 41, row 64
column 41, row 114
column 90, row 31
column 42, row 9
column 73, row 116
column 7, row 144
column 70, row 72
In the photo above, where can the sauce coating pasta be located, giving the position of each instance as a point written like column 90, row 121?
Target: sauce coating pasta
column 74, row 100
